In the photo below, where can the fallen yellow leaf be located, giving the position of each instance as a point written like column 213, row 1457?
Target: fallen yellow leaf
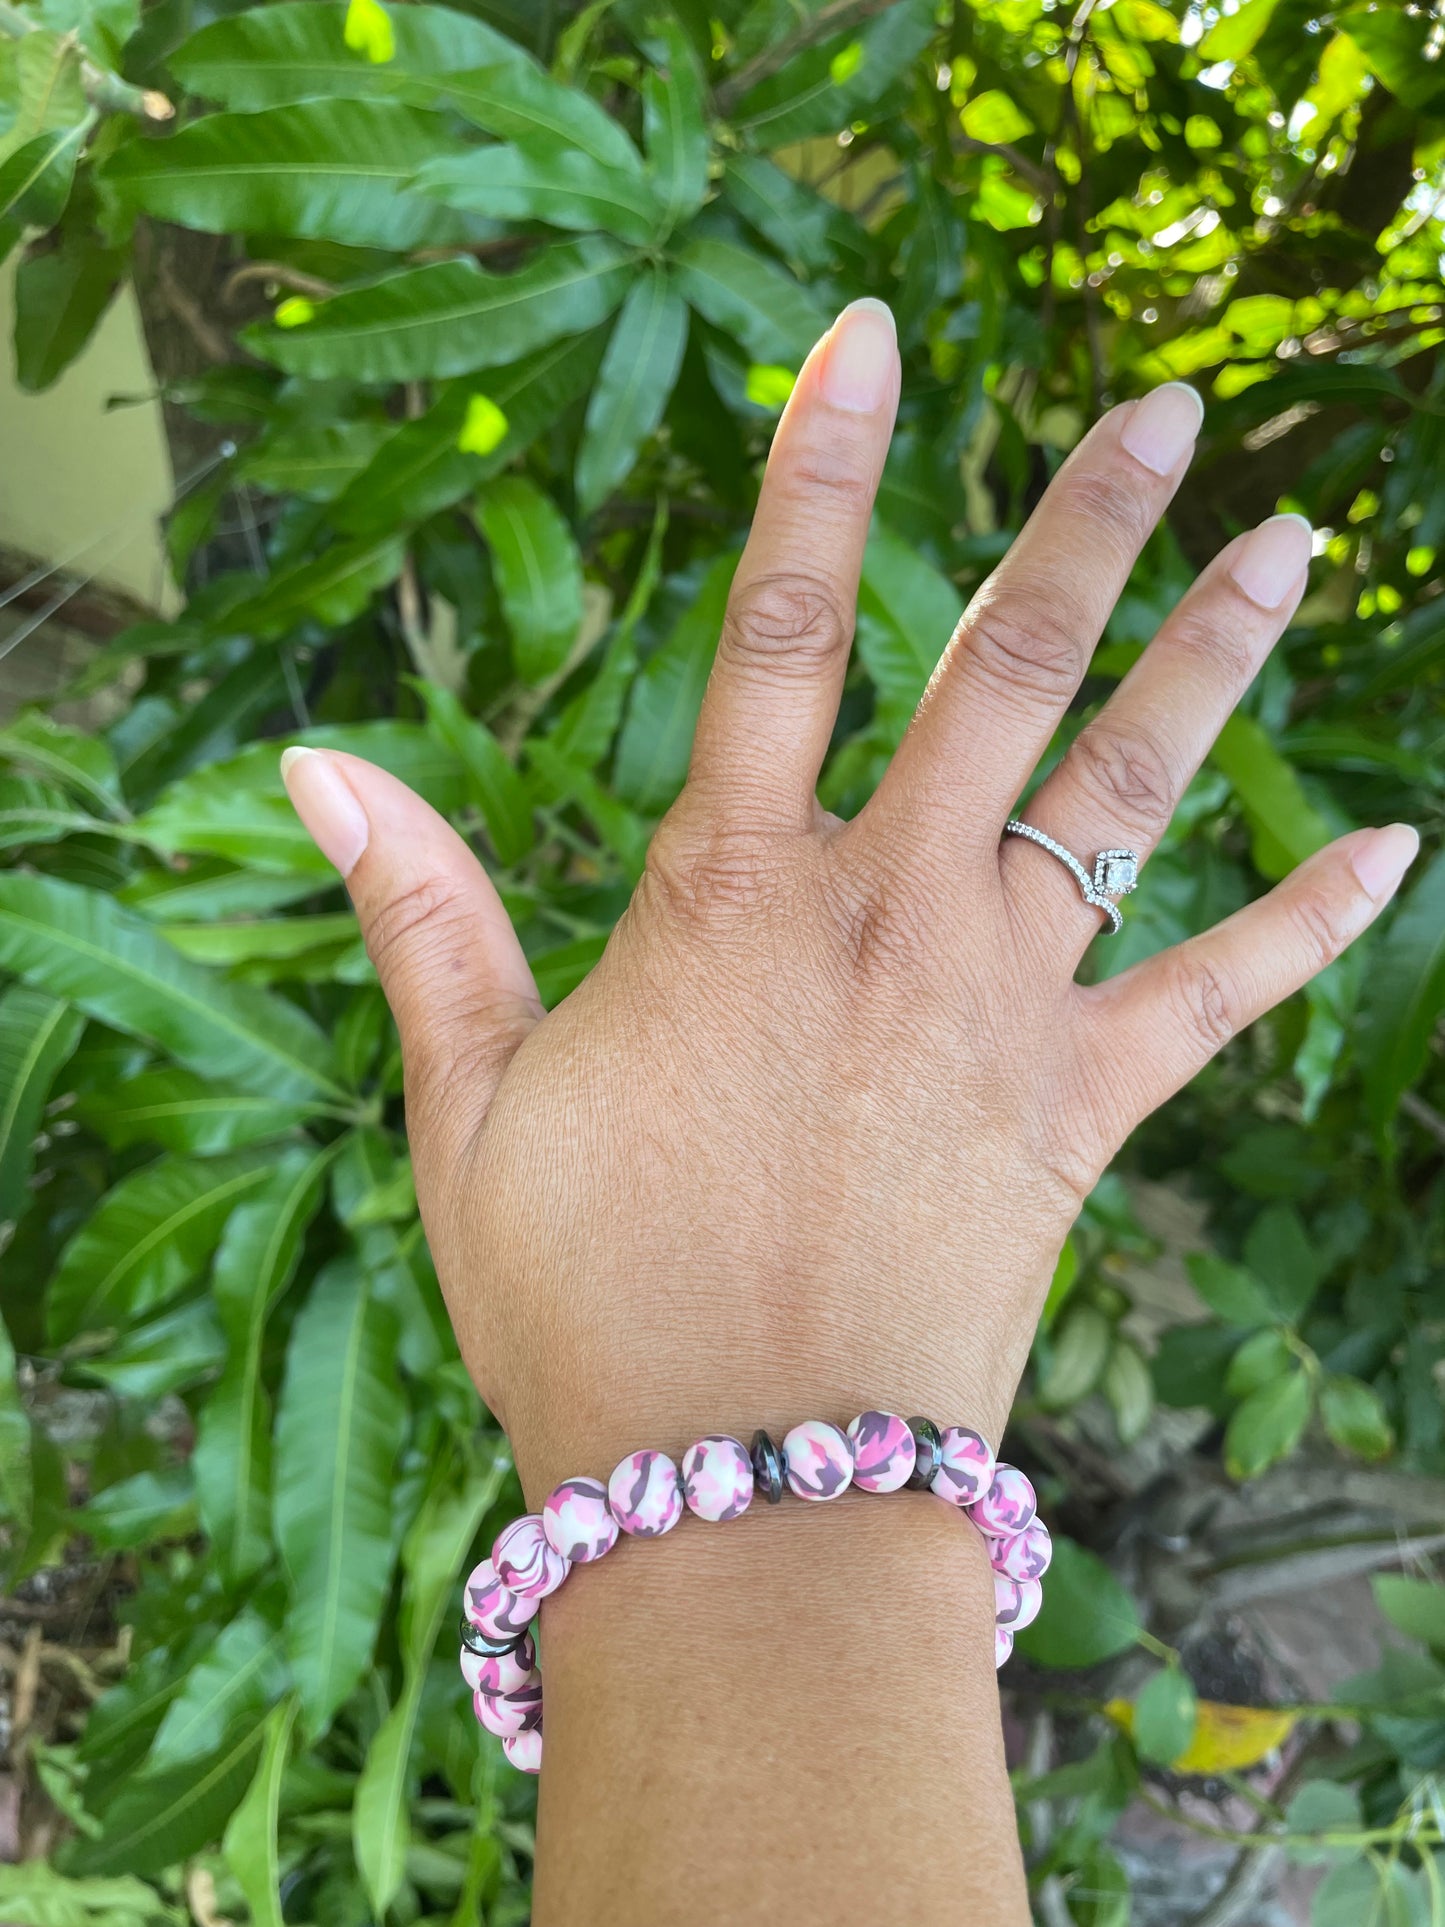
column 1226, row 1738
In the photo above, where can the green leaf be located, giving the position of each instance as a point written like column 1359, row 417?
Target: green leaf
column 1371, row 1892
column 146, row 1239
column 16, row 1481
column 168, row 1354
column 44, row 88
column 1230, row 1290
column 1395, row 44
column 1164, row 1716
column 243, row 1672
column 1416, row 1606
column 538, row 573
column 35, row 180
column 339, row 1430
column 643, row 356
column 250, row 1844
column 1075, row 1357
column 494, row 786
column 38, row 1033
column 619, row 828
column 1404, row 995
column 1321, row 1806
column 1267, row 1426
column 993, row 117
column 1128, row 1385
column 432, row 1559
column 451, row 317
column 516, row 100
column 158, row 1820
column 662, row 711
column 74, row 758
column 142, row 1511
column 322, row 170
column 257, row 1258
column 1278, row 1251
column 1355, row 1418
column 675, row 125
column 1287, row 827
column 115, row 966
column 183, row 1112
column 801, row 225
column 1261, row 1359
column 1237, row 33
column 59, row 298
column 1087, row 1616
column 297, row 51
column 331, row 588
column 907, row 612
column 825, row 87
column 543, row 182
column 750, row 298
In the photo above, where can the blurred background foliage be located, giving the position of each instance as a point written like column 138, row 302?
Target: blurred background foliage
column 472, row 327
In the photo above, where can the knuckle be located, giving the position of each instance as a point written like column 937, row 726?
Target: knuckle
column 883, row 930
column 1318, row 929
column 694, row 881
column 786, row 624
column 423, row 920
column 835, row 471
column 1221, row 638
column 1126, row 773
column 1206, row 1003
column 1111, row 505
column 1027, row 643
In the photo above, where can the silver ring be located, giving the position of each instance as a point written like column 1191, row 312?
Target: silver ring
column 1115, row 874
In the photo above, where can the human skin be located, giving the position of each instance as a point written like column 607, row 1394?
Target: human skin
column 807, row 1141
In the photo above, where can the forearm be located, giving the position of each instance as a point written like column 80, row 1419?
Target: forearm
column 792, row 1717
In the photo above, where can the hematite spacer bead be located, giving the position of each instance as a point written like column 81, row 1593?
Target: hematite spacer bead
column 767, row 1468
column 476, row 1641
column 928, row 1441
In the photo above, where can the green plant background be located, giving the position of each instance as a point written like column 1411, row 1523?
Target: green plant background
column 502, row 306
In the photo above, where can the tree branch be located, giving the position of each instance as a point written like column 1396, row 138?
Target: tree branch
column 102, row 88
column 837, row 17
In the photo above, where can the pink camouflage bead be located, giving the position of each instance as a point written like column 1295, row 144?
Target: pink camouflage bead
column 508, row 1713
column 965, row 1467
column 1016, row 1602
column 493, row 1608
column 524, row 1561
column 577, row 1522
column 524, row 1750
column 1003, row 1645
column 499, row 1672
column 645, row 1494
column 819, row 1460
column 717, row 1478
column 1026, row 1555
column 884, row 1452
column 1007, row 1507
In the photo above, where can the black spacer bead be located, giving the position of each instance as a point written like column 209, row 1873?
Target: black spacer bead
column 928, row 1443
column 767, row 1468
column 476, row 1641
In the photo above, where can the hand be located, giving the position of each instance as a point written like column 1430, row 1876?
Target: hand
column 810, row 1136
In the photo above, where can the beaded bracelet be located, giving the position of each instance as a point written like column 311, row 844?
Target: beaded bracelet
column 644, row 1498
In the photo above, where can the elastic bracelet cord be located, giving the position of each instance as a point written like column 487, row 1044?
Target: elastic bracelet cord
column 719, row 1478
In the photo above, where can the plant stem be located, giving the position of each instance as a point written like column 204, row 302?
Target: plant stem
column 103, row 88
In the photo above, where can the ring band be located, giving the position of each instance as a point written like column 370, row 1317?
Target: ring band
column 1116, row 872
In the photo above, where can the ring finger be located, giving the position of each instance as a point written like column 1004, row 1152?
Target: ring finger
column 1122, row 777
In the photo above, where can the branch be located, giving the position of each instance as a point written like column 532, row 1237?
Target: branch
column 102, row 88
column 836, row 17
column 281, row 275
column 1037, row 177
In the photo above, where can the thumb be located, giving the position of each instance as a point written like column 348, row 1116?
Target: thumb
column 444, row 948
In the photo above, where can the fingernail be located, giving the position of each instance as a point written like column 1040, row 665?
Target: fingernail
column 1381, row 859
column 327, row 805
column 859, row 357
column 1271, row 559
column 1162, row 429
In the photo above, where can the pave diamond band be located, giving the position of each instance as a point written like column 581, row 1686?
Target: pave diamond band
column 1115, row 872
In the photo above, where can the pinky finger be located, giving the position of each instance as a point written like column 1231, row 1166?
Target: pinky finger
column 1162, row 1021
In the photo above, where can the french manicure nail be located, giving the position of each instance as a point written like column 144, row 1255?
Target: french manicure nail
column 859, row 357
column 1162, row 428
column 327, row 805
column 1271, row 559
column 1380, row 860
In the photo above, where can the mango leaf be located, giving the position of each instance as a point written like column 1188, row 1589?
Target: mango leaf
column 297, row 51
column 802, row 226
column 1395, row 44
column 315, row 460
column 516, row 100
column 76, row 759
column 167, row 1354
column 44, row 88
column 1267, row 1426
column 175, row 1108
column 432, row 1558
column 321, row 170
column 244, row 1671
column 1087, row 1616
column 32, row 812
column 250, row 1842
column 1287, row 827
column 750, row 298
column 619, row 828
column 643, row 356
column 675, row 124
column 146, row 1239
column 258, row 1255
column 1404, row 995
column 542, row 181
column 59, row 298
column 331, row 588
column 83, row 946
column 35, row 180
column 538, row 573
column 38, row 1033
column 157, row 1820
column 662, row 710
column 825, row 87
column 338, row 1432
column 141, row 1511
column 907, row 612
column 1238, row 33
column 16, row 1484
column 492, row 782
column 451, row 317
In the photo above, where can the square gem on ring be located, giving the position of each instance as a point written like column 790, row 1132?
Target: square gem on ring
column 1116, row 872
